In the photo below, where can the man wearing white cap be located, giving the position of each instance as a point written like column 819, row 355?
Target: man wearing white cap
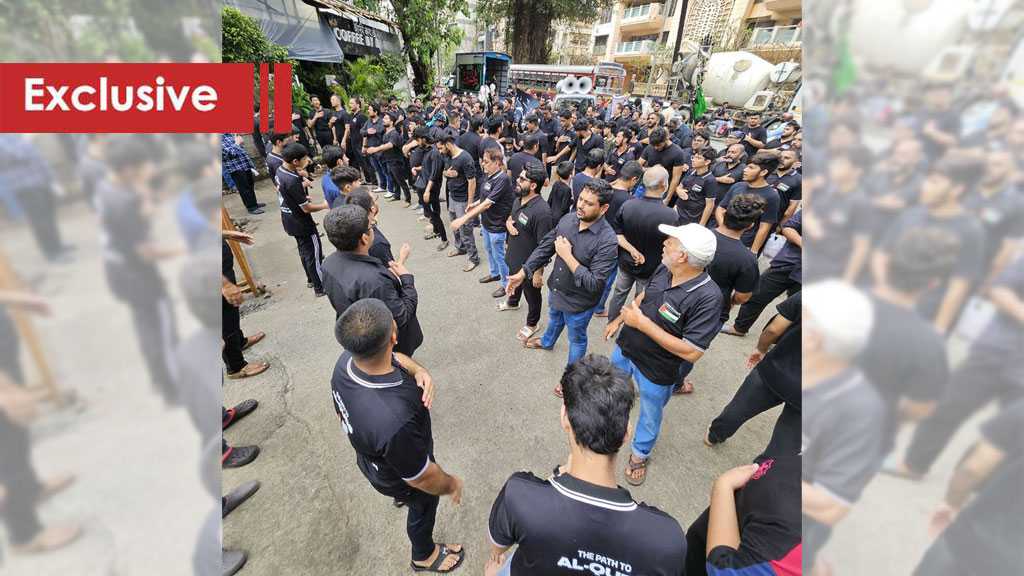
column 667, row 329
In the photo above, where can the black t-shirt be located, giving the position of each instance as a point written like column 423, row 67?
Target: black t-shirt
column 341, row 119
column 780, row 367
column 985, row 537
column 498, row 189
column 533, row 221
column 560, row 200
column 789, row 187
column 377, row 126
column 619, row 198
column 577, row 182
column 274, row 162
column 771, row 208
column 699, row 188
column 465, row 168
column 722, row 169
column 791, row 256
column 292, row 196
column 584, row 147
column 616, row 160
column 322, row 125
column 567, row 526
column 668, row 157
column 393, row 154
column 1002, row 216
column 355, row 136
column 386, row 422
column 638, row 221
column 517, row 162
column 733, row 269
column 759, row 134
column 470, row 142
column 688, row 311
column 844, row 216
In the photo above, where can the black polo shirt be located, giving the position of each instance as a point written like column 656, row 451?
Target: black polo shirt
column 498, row 189
column 518, row 161
column 688, row 311
column 668, row 157
column 274, row 162
column 699, row 188
column 789, row 186
column 465, row 168
column 617, row 160
column 638, row 221
column 760, row 134
column 533, row 221
column 584, row 147
column 470, row 142
column 377, row 126
column 567, row 526
column 386, row 422
column 355, row 132
column 771, row 207
column 292, row 196
column 322, row 126
column 780, row 367
column 560, row 200
column 596, row 249
column 393, row 154
column 733, row 269
column 349, row 277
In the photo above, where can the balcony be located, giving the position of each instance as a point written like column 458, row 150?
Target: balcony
column 645, row 17
column 775, row 36
column 635, row 47
column 783, row 5
column 649, row 89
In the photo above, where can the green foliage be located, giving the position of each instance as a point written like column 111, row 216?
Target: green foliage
column 367, row 79
column 243, row 41
column 529, row 22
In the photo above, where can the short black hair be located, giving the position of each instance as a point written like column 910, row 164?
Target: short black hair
column 365, row 329
column 564, row 169
column 530, row 143
column 595, row 158
column 332, row 155
column 362, row 199
column 658, row 136
column 703, row 134
column 344, row 175
column 921, row 256
column 630, row 170
column 597, row 398
column 565, row 113
column 535, row 172
column 446, row 136
column 626, row 133
column 532, row 119
column 601, row 189
column 293, row 152
column 475, row 123
column 743, row 210
column 279, row 136
column 421, row 132
column 581, row 125
column 345, row 225
column 494, row 125
column 765, row 160
column 708, row 154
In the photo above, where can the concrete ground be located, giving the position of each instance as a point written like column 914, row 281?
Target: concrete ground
column 494, row 414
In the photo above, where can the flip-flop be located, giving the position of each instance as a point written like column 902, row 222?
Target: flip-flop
column 504, row 306
column 442, row 555
column 632, row 467
column 250, row 369
column 534, row 344
column 526, row 332
column 253, row 340
column 241, row 410
column 470, row 266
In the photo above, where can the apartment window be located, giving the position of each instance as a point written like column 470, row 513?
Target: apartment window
column 664, row 37
column 606, row 16
column 671, row 8
column 600, row 44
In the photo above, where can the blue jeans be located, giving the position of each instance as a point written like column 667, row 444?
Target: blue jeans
column 607, row 290
column 577, row 323
column 494, row 243
column 383, row 178
column 653, row 398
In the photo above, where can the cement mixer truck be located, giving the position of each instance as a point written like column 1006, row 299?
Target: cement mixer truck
column 751, row 83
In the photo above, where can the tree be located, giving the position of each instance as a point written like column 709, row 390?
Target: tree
column 427, row 26
column 242, row 41
column 529, row 22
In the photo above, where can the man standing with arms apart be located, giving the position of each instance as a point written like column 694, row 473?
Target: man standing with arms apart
column 580, row 520
column 495, row 206
column 587, row 250
column 383, row 399
column 460, row 170
column 754, row 182
column 667, row 329
column 528, row 224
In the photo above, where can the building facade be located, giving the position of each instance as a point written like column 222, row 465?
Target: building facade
column 643, row 35
column 572, row 43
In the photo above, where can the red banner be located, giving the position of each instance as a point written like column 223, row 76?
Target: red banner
column 136, row 98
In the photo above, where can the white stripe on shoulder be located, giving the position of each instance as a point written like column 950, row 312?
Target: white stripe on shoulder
column 617, row 506
column 366, row 383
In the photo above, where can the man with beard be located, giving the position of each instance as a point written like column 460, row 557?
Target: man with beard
column 389, row 154
column 787, row 182
column 586, row 248
column 528, row 224
column 670, row 156
column 618, row 155
column 354, row 143
column 754, row 182
column 754, row 135
column 460, row 170
column 785, row 140
column 320, row 123
column 586, row 140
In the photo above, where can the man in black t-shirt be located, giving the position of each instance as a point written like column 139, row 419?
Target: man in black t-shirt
column 618, row 155
column 389, row 153
column 297, row 212
column 695, row 197
column 787, row 182
column 354, row 150
column 754, row 135
column 519, row 160
column 460, row 170
column 339, row 122
column 754, row 182
column 670, row 156
column 580, row 520
column 383, row 401
column 734, row 268
column 587, row 139
column 528, row 224
column 666, row 329
column 728, row 170
column 320, row 123
column 640, row 241
column 494, row 207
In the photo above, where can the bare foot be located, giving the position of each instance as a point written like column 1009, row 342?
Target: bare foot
column 50, row 539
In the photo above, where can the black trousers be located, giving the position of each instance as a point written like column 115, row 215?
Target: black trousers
column 419, row 524
column 234, row 339
column 40, row 208
column 534, row 301
column 772, row 283
column 983, row 377
column 246, row 187
column 156, row 330
column 696, row 545
column 311, row 252
column 432, row 210
column 19, row 478
column 399, row 183
column 940, row 560
column 752, row 398
column 361, row 163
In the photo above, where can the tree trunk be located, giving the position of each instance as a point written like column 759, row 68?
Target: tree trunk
column 530, row 24
column 421, row 72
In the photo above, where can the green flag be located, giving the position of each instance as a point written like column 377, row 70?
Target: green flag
column 845, row 73
column 700, row 106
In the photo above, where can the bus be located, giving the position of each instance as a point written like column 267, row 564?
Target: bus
column 476, row 69
column 607, row 77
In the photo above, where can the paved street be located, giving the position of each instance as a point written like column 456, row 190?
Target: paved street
column 494, row 414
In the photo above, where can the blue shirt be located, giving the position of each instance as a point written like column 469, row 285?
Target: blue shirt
column 331, row 191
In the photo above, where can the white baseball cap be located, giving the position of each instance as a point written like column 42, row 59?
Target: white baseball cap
column 696, row 239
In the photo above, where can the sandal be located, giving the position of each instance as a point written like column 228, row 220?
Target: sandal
column 241, row 410
column 504, row 305
column 455, row 252
column 470, row 266
column 534, row 343
column 253, row 340
column 632, row 466
column 685, row 388
column 526, row 332
column 250, row 369
column 442, row 555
